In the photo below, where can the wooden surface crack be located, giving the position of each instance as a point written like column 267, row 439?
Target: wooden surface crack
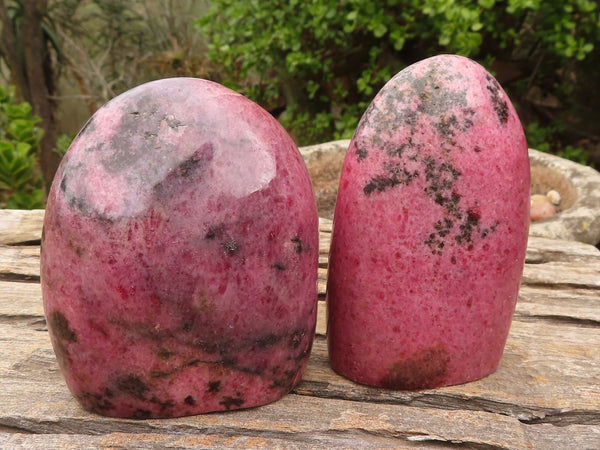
column 558, row 319
column 565, row 418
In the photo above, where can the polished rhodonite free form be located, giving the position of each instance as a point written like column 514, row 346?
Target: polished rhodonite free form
column 179, row 256
column 430, row 230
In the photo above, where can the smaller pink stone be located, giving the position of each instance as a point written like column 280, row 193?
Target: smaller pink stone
column 541, row 208
column 430, row 230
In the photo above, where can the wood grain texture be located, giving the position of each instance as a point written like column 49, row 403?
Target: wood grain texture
column 20, row 263
column 19, row 227
column 544, row 395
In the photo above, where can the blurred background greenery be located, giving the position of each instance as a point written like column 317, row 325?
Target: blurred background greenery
column 314, row 64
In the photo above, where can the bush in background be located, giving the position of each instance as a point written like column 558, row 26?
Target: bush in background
column 319, row 63
column 21, row 185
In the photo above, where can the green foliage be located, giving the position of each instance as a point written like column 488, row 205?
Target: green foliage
column 574, row 154
column 569, row 29
column 325, row 59
column 547, row 138
column 20, row 180
column 63, row 142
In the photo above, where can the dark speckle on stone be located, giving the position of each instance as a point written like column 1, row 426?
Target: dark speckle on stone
column 473, row 217
column 279, row 266
column 164, row 353
column 133, row 386
column 187, row 167
column 172, row 122
column 267, row 341
column 398, row 151
column 296, row 338
column 396, row 175
column 214, row 231
column 188, row 170
column 423, row 370
column 361, row 153
column 231, row 247
column 499, row 104
column 142, row 414
column 63, row 183
column 299, row 244
column 164, row 404
column 97, row 403
column 60, row 325
column 229, row 402
column 189, row 400
column 214, row 386
column 285, row 382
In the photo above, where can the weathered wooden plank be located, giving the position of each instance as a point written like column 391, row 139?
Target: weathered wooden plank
column 567, row 305
column 296, row 420
column 322, row 281
column 542, row 250
column 20, row 263
column 549, row 373
column 192, row 440
column 538, row 437
column 19, row 226
column 324, row 244
column 148, row 441
column 325, row 225
column 20, row 300
column 561, row 275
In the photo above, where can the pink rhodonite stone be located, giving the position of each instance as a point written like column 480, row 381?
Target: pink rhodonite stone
column 180, row 253
column 430, row 230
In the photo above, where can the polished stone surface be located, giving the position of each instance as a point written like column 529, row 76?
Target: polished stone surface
column 430, row 230
column 179, row 257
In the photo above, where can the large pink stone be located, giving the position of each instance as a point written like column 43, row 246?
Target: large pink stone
column 430, row 230
column 180, row 253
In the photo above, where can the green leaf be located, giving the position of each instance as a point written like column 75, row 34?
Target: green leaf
column 379, row 30
column 488, row 4
column 26, row 200
column 22, row 148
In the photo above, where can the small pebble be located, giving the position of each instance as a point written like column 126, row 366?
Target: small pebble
column 541, row 207
column 554, row 197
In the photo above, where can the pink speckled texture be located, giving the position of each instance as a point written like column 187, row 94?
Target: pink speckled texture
column 430, row 230
column 179, row 256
